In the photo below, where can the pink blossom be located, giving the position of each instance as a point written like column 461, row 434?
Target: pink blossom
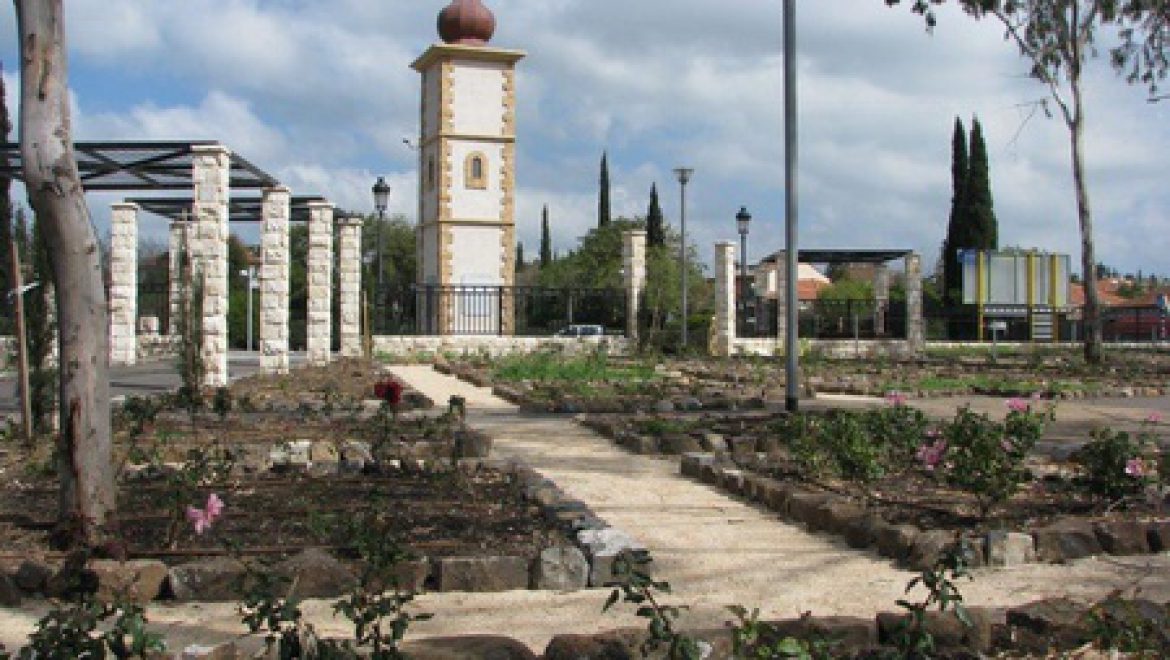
column 1016, row 404
column 202, row 519
column 896, row 399
column 1136, row 467
column 931, row 455
column 1154, row 418
column 198, row 518
column 1006, row 444
column 214, row 507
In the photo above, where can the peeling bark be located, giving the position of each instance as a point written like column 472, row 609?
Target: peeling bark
column 56, row 195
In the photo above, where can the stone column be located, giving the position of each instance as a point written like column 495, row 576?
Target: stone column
column 178, row 245
column 781, row 300
column 124, row 284
column 274, row 276
column 349, row 267
column 320, row 283
column 634, row 263
column 208, row 246
column 881, row 296
column 915, row 327
column 724, row 298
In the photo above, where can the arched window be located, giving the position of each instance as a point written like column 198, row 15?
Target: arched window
column 475, row 171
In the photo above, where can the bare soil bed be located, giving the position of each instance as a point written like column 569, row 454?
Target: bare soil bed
column 291, row 476
column 755, row 442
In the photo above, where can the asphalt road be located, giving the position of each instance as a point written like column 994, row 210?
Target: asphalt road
column 146, row 378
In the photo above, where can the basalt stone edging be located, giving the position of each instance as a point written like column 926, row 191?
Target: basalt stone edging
column 1060, row 541
column 584, row 560
column 1039, row 628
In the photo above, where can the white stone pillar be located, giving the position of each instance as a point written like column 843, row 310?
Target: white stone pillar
column 124, row 284
column 274, row 280
column 178, row 246
column 208, row 246
column 349, row 275
column 724, row 298
column 320, row 283
column 634, row 263
column 915, row 327
column 881, row 296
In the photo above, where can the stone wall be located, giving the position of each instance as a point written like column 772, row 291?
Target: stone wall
column 404, row 346
column 208, row 247
column 835, row 348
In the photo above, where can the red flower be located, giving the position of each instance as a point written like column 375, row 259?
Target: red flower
column 389, row 390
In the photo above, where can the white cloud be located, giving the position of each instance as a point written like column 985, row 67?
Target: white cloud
column 320, row 93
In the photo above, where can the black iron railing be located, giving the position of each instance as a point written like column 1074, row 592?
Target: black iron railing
column 495, row 310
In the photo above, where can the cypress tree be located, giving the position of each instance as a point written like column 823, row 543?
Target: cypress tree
column 655, row 230
column 546, row 255
column 981, row 211
column 603, row 193
column 5, row 214
column 519, row 257
column 952, row 272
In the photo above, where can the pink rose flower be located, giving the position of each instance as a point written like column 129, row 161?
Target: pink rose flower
column 199, row 519
column 896, row 399
column 1136, row 467
column 1016, row 404
column 932, row 455
column 214, row 507
column 1154, row 418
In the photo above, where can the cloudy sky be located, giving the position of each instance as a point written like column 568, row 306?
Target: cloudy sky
column 320, row 93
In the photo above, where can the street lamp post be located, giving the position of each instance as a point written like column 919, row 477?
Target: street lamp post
column 250, row 273
column 684, row 177
column 381, row 192
column 791, row 250
column 743, row 220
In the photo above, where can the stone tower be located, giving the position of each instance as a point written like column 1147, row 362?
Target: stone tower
column 467, row 176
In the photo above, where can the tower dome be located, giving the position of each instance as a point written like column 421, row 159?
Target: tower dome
column 466, row 22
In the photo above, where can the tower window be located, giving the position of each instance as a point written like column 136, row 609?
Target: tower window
column 431, row 173
column 475, row 171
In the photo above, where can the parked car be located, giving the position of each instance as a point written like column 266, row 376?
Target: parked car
column 581, row 331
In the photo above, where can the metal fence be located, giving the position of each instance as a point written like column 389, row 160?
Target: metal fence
column 825, row 319
column 495, row 310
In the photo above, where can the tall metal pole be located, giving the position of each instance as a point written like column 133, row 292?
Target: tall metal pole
column 251, row 275
column 381, row 221
column 791, row 251
column 684, row 176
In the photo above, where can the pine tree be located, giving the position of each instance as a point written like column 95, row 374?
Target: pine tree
column 655, row 226
column 952, row 271
column 981, row 211
column 603, row 194
column 5, row 213
column 546, row 255
column 519, row 257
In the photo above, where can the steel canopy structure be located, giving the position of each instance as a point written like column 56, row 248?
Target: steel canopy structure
column 844, row 256
column 240, row 209
column 154, row 166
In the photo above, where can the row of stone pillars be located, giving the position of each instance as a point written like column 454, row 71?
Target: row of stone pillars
column 725, row 297
column 204, row 240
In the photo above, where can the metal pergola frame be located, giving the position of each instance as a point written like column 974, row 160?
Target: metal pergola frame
column 240, row 209
column 154, row 166
column 844, row 256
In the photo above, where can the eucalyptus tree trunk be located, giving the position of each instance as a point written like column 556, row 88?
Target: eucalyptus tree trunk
column 55, row 193
column 1092, row 310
